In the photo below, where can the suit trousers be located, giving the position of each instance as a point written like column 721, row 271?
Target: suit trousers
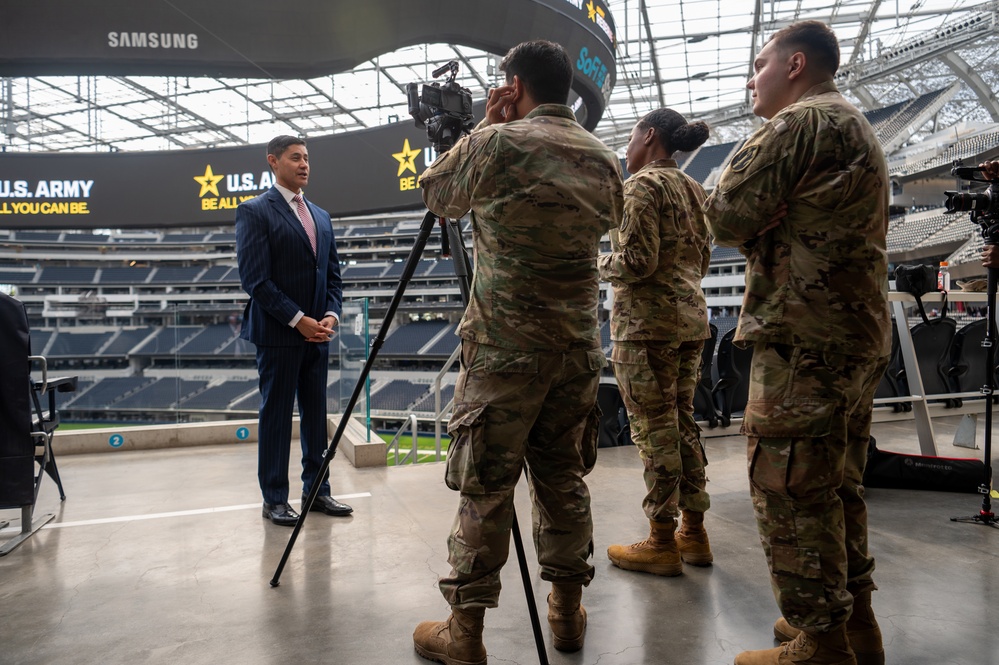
column 510, row 407
column 808, row 423
column 287, row 371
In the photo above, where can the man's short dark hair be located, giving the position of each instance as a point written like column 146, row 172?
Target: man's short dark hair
column 813, row 38
column 279, row 144
column 543, row 67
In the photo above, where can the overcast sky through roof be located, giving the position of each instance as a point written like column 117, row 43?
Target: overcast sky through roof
column 703, row 50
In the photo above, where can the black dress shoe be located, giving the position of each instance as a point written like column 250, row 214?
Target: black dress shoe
column 329, row 505
column 281, row 514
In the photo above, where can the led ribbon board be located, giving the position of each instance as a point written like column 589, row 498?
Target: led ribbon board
column 358, row 172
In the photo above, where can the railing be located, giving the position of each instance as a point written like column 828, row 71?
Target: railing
column 393, row 446
column 438, row 411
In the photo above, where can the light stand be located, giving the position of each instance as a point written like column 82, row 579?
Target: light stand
column 450, row 235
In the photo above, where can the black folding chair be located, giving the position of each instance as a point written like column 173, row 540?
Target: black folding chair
column 731, row 392
column 704, row 402
column 26, row 429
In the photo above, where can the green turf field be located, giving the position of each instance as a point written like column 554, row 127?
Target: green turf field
column 423, row 443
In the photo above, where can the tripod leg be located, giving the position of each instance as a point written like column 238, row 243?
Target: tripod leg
column 532, row 606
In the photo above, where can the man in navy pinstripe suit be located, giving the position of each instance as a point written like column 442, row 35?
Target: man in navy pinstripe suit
column 288, row 265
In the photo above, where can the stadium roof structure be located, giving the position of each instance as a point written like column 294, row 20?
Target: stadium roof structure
column 692, row 55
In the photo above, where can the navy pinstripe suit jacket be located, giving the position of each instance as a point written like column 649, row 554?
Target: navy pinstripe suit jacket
column 279, row 272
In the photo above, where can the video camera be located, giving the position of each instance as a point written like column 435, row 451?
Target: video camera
column 445, row 110
column 983, row 207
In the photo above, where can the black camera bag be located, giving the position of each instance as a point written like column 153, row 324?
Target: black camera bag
column 917, row 281
column 898, row 471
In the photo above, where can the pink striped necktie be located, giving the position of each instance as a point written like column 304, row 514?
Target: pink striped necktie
column 306, row 219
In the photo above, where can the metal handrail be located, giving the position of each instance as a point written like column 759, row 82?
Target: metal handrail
column 393, row 446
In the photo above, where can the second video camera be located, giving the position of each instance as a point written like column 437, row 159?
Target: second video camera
column 445, row 110
column 983, row 207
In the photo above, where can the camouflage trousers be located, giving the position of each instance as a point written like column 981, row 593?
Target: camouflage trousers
column 513, row 407
column 657, row 382
column 809, row 422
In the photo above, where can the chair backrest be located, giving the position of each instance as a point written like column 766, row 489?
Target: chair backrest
column 703, row 408
column 968, row 358
column 709, row 352
column 17, row 449
column 932, row 341
column 888, row 387
column 732, row 388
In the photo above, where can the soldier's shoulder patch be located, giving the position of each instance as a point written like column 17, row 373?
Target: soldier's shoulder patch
column 744, row 158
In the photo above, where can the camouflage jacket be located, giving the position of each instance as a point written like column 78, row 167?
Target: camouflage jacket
column 658, row 258
column 542, row 191
column 819, row 280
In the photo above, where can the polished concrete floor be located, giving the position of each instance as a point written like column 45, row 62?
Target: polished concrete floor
column 163, row 557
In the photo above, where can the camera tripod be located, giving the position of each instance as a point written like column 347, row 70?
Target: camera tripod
column 985, row 515
column 450, row 236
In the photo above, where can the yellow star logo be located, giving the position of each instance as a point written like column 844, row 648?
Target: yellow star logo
column 209, row 182
column 592, row 10
column 407, row 158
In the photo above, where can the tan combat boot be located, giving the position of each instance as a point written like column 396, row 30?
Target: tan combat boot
column 657, row 554
column 830, row 648
column 567, row 616
column 457, row 641
column 692, row 540
column 862, row 630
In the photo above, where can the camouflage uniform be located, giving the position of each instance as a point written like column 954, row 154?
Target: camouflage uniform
column 659, row 324
column 543, row 191
column 816, row 309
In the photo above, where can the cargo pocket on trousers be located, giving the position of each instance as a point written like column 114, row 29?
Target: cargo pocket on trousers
column 796, row 561
column 591, row 439
column 467, row 430
column 772, row 428
column 789, row 418
column 635, row 379
column 460, row 556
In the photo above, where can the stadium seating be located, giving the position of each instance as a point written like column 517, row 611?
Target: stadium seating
column 218, row 398
column 162, row 393
column 208, row 341
column 410, row 338
column 175, row 275
column 126, row 340
column 706, row 159
column 427, row 404
column 168, row 339
column 67, row 275
column 398, row 395
column 77, row 344
column 135, row 275
column 106, row 392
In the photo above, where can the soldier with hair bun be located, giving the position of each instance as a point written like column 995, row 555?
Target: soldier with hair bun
column 658, row 324
column 806, row 200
